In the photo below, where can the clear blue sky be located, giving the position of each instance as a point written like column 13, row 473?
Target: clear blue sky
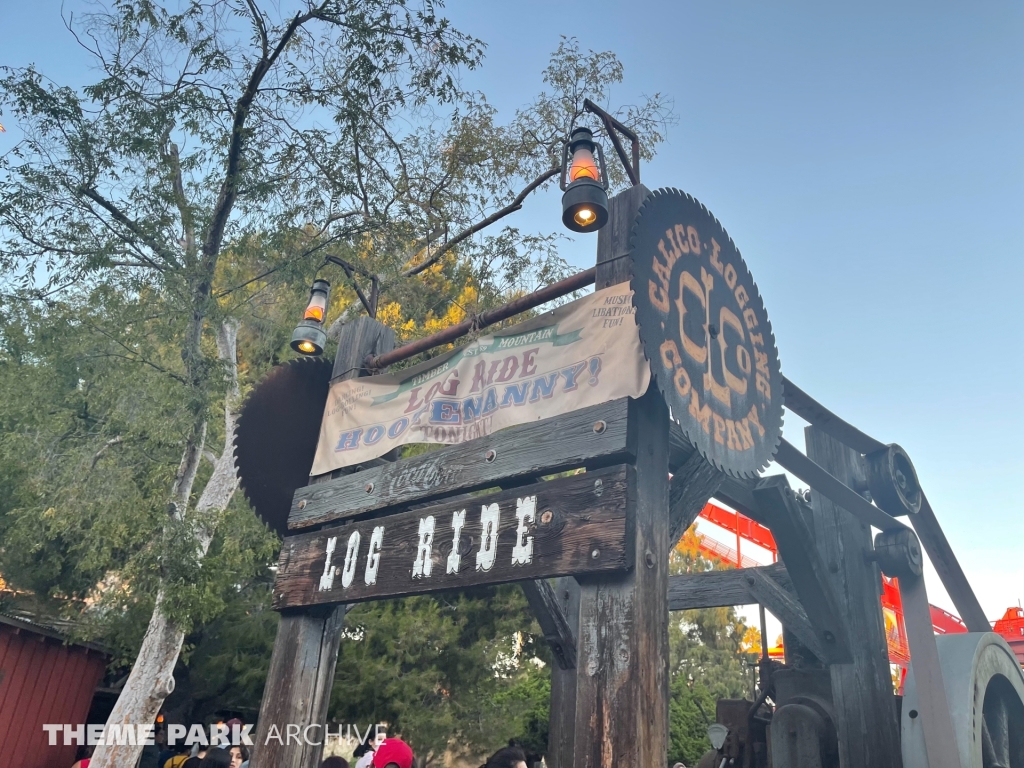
column 868, row 160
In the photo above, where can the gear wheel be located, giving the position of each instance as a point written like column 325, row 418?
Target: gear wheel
column 277, row 434
column 706, row 333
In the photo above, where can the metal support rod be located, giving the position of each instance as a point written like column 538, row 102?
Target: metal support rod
column 484, row 319
column 611, row 125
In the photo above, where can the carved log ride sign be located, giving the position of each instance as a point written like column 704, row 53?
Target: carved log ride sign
column 573, row 525
column 706, row 333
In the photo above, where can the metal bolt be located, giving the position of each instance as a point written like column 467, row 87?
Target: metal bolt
column 369, row 487
column 598, row 488
column 649, row 558
column 829, row 637
column 546, row 516
column 302, row 504
column 491, row 455
column 713, row 331
column 901, row 480
column 750, row 580
column 599, row 427
column 913, row 713
column 595, row 554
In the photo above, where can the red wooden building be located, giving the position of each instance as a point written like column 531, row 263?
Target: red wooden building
column 42, row 680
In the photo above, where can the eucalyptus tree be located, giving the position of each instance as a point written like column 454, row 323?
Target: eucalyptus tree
column 222, row 150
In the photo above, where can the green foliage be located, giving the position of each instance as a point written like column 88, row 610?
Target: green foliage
column 453, row 670
column 708, row 661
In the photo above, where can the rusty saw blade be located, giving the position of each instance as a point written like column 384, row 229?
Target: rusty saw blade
column 278, row 429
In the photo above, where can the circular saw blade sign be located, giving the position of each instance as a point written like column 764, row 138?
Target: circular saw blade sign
column 706, row 333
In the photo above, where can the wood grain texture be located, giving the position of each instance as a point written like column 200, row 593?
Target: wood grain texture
column 301, row 673
column 869, row 733
column 613, row 265
column 622, row 665
column 784, row 606
column 562, row 716
column 692, row 485
column 807, row 568
column 525, row 451
column 720, row 589
column 552, row 620
column 587, row 531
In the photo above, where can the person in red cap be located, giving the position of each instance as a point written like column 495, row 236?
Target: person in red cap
column 392, row 753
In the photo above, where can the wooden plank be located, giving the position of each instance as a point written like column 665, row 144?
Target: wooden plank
column 833, row 488
column 452, row 545
column 530, row 450
column 562, row 715
column 692, row 485
column 622, row 666
column 806, row 567
column 784, row 607
column 301, row 673
column 865, row 707
column 613, row 266
column 553, row 621
column 719, row 589
column 948, row 567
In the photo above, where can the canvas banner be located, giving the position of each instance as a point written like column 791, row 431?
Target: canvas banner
column 580, row 354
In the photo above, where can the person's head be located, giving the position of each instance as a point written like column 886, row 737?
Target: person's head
column 334, row 762
column 392, row 753
column 239, row 754
column 507, row 757
column 216, row 757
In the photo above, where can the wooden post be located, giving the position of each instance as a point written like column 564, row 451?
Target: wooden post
column 865, row 707
column 621, row 705
column 562, row 718
column 298, row 688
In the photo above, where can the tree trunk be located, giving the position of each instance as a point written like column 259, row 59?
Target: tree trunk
column 152, row 676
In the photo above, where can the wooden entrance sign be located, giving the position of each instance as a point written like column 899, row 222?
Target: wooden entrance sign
column 578, row 525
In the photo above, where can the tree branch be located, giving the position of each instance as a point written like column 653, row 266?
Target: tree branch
column 131, row 225
column 501, row 213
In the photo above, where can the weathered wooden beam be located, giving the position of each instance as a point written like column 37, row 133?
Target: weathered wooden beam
column 692, row 485
column 622, row 666
column 301, row 673
column 769, row 593
column 552, row 620
column 593, row 436
column 719, row 589
column 807, row 569
column 865, row 707
column 571, row 525
column 562, row 717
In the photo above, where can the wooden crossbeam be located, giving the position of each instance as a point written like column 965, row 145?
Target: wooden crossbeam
column 593, row 436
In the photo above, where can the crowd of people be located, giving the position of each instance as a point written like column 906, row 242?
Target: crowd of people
column 382, row 753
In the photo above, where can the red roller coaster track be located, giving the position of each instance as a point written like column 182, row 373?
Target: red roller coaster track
column 1011, row 626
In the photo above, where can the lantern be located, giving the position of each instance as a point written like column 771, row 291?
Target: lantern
column 309, row 337
column 584, row 182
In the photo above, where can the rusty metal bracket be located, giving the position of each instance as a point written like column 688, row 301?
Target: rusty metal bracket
column 613, row 128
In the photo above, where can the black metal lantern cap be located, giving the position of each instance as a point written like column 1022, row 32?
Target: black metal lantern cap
column 585, row 206
column 309, row 338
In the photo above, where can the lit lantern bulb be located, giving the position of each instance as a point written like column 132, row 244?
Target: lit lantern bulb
column 584, row 216
column 306, row 347
column 583, row 165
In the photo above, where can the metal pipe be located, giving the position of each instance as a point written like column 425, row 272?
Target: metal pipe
column 484, row 319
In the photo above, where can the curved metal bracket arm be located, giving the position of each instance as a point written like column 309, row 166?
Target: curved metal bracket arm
column 351, row 270
column 613, row 128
